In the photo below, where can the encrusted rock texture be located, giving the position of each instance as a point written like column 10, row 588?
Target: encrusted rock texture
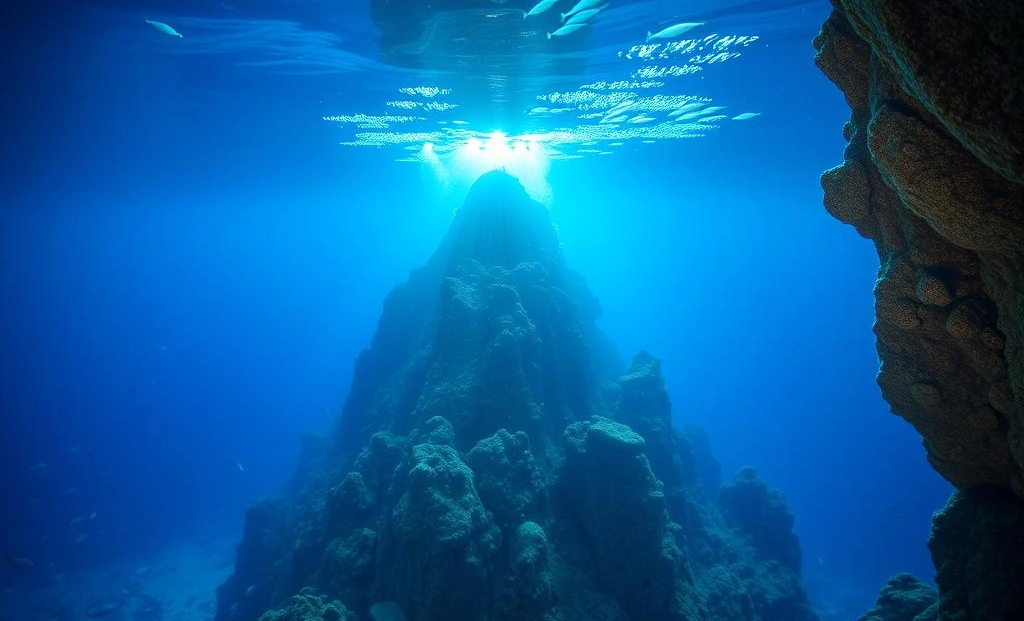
column 933, row 174
column 977, row 545
column 904, row 598
column 494, row 462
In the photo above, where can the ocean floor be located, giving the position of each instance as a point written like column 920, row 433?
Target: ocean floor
column 175, row 584
column 179, row 584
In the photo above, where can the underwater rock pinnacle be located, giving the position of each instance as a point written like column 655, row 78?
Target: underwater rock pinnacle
column 491, row 464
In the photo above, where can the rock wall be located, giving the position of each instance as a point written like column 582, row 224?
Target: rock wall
column 933, row 174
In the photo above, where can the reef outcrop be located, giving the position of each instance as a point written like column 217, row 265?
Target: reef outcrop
column 934, row 174
column 904, row 598
column 494, row 462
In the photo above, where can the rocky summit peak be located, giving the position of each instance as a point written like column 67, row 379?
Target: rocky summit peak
column 493, row 463
column 500, row 225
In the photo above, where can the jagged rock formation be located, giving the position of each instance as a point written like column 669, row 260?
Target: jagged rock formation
column 977, row 543
column 490, row 465
column 934, row 175
column 904, row 598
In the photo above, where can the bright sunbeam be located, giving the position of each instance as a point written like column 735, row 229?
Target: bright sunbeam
column 522, row 157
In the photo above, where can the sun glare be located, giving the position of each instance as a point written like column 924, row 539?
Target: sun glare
column 523, row 157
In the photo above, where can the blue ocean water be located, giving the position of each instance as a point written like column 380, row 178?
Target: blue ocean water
column 190, row 260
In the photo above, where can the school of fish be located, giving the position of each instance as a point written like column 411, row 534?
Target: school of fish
column 585, row 10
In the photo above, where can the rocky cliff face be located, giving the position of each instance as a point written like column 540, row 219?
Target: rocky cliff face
column 933, row 174
column 492, row 464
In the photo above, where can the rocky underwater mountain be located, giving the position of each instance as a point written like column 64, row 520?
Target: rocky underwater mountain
column 494, row 462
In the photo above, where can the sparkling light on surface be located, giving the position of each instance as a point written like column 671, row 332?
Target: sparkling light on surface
column 651, row 100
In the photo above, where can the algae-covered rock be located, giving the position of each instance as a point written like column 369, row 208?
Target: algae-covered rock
column 608, row 486
column 645, row 407
column 933, row 173
column 531, row 588
column 760, row 512
column 508, row 479
column 477, row 473
column 442, row 541
column 977, row 546
column 904, row 598
column 249, row 590
column 307, row 605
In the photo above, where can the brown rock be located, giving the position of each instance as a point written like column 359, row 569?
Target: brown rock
column 962, row 60
column 933, row 174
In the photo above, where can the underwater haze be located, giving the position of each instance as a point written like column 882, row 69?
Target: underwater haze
column 198, row 231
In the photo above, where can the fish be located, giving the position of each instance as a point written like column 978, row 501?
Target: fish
column 640, row 118
column 164, row 28
column 619, row 109
column 673, row 31
column 689, row 115
column 567, row 29
column 581, row 6
column 686, row 108
column 540, row 7
column 241, row 468
column 711, row 110
column 745, row 116
column 582, row 16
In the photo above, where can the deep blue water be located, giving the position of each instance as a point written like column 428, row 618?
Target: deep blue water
column 190, row 262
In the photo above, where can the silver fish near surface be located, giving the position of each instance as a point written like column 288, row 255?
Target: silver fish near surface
column 567, row 29
column 540, row 7
column 582, row 16
column 689, row 115
column 673, row 31
column 581, row 6
column 745, row 116
column 711, row 110
column 164, row 28
column 693, row 105
column 614, row 119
